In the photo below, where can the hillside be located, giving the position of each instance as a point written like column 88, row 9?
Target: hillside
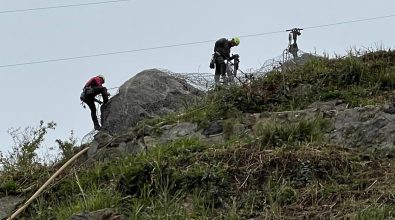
column 313, row 142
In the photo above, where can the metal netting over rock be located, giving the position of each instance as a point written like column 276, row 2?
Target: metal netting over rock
column 149, row 93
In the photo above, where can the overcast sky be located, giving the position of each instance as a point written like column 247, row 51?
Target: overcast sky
column 50, row 91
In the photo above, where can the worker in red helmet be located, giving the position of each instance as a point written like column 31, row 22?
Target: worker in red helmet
column 92, row 88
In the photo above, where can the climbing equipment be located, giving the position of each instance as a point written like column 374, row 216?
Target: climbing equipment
column 293, row 47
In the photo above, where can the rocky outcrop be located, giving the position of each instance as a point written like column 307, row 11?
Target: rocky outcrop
column 149, row 93
column 366, row 127
column 363, row 127
column 8, row 204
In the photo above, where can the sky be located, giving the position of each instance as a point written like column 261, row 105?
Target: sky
column 50, row 91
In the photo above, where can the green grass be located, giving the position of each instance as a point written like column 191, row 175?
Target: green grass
column 285, row 170
column 276, row 133
column 94, row 199
column 186, row 179
column 357, row 80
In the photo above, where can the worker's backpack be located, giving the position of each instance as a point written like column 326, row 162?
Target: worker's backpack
column 86, row 92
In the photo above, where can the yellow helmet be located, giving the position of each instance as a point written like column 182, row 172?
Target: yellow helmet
column 236, row 40
column 102, row 77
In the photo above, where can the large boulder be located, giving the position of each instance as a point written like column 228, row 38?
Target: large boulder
column 149, row 93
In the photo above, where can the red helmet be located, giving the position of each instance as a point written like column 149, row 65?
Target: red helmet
column 102, row 77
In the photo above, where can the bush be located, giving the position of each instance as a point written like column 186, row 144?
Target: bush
column 66, row 147
column 23, row 156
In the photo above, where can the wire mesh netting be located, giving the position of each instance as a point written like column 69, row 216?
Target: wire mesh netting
column 205, row 81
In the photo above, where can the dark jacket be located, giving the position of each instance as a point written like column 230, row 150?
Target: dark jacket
column 222, row 46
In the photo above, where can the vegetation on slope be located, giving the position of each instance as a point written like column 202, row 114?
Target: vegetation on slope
column 285, row 171
column 357, row 80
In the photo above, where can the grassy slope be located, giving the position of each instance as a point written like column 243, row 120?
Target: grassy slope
column 286, row 171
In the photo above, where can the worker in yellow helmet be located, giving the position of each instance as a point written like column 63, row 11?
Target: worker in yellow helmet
column 221, row 54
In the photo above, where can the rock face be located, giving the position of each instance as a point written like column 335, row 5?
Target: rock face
column 8, row 204
column 364, row 127
column 369, row 127
column 149, row 93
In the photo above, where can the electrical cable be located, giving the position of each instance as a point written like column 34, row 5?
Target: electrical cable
column 62, row 6
column 103, row 54
column 351, row 21
column 181, row 44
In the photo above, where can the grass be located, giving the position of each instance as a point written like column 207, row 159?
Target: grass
column 94, row 199
column 277, row 134
column 185, row 180
column 357, row 80
column 285, row 170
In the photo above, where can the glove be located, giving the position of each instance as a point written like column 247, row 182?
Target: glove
column 235, row 57
column 212, row 64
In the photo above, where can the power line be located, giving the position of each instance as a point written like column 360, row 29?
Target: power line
column 62, row 6
column 180, row 45
column 352, row 21
column 104, row 54
column 129, row 51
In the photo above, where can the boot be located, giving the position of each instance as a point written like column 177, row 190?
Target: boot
column 216, row 80
column 97, row 127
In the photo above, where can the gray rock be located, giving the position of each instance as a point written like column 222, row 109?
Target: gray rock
column 103, row 139
column 213, row 139
column 135, row 146
column 93, row 147
column 332, row 105
column 215, row 128
column 105, row 214
column 166, row 127
column 364, row 127
column 180, row 130
column 239, row 130
column 124, row 138
column 149, row 93
column 8, row 204
column 390, row 110
column 100, row 140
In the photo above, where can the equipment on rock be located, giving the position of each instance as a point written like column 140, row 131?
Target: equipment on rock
column 293, row 47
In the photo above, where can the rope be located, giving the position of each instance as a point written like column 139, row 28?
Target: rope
column 42, row 188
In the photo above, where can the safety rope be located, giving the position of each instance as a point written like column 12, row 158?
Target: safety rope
column 59, row 171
